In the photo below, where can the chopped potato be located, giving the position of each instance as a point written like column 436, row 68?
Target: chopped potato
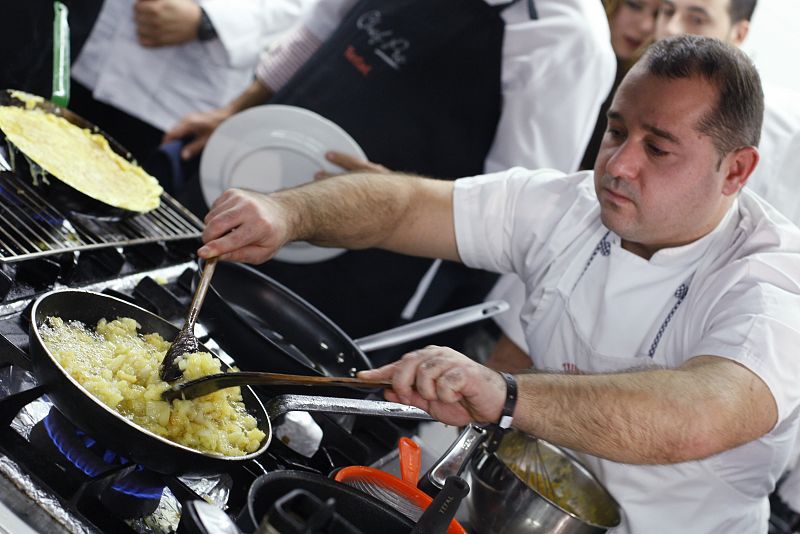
column 120, row 367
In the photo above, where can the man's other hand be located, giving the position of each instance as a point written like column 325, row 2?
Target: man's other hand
column 197, row 128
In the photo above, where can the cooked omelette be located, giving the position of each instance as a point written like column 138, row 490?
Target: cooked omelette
column 80, row 158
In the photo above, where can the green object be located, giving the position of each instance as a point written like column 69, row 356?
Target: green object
column 61, row 54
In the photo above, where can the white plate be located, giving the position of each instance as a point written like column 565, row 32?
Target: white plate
column 273, row 147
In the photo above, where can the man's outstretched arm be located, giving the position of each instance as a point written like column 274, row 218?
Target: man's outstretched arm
column 401, row 213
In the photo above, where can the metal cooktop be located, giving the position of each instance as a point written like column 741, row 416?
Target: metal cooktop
column 53, row 476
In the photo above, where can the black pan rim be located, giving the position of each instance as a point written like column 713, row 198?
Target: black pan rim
column 35, row 329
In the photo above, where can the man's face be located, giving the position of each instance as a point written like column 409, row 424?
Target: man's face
column 709, row 18
column 656, row 176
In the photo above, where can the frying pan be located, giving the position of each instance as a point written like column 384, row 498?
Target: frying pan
column 141, row 446
column 101, row 421
column 50, row 187
column 361, row 510
column 246, row 308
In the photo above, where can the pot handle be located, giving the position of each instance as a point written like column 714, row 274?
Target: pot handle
column 454, row 460
column 431, row 325
column 281, row 404
column 61, row 55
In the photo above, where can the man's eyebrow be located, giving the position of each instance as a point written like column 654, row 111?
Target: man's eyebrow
column 699, row 10
column 662, row 133
column 617, row 116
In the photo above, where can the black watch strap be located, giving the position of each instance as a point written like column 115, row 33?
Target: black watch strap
column 206, row 30
column 507, row 415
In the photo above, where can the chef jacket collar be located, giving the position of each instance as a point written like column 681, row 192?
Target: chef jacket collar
column 685, row 254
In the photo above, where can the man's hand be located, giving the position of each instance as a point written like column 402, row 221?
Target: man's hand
column 198, row 127
column 244, row 226
column 448, row 385
column 166, row 22
column 350, row 164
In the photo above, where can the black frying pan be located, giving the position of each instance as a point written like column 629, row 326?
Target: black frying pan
column 58, row 193
column 101, row 421
column 266, row 326
column 246, row 310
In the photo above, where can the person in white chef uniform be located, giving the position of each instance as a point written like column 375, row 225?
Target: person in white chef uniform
column 663, row 298
column 776, row 178
column 157, row 60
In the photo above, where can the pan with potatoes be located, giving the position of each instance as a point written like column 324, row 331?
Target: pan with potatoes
column 98, row 356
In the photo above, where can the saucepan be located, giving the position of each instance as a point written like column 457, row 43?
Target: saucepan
column 522, row 484
column 141, row 446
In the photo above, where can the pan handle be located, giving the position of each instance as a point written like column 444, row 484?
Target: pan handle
column 431, row 325
column 454, row 460
column 61, row 55
column 281, row 404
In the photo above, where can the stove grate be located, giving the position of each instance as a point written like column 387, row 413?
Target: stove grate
column 31, row 227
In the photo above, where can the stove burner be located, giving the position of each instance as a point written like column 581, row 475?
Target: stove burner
column 126, row 488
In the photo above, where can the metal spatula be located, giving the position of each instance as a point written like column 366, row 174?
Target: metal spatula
column 211, row 383
column 186, row 342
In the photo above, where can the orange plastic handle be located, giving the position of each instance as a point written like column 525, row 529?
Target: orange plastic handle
column 410, row 460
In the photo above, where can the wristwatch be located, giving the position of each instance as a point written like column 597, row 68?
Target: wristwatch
column 507, row 415
column 205, row 31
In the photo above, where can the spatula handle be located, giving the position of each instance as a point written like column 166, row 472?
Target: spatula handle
column 200, row 292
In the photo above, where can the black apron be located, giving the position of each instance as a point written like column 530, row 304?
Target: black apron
column 417, row 84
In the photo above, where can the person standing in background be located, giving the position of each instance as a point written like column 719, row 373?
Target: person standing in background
column 632, row 23
column 147, row 63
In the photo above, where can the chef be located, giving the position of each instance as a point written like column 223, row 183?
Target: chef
column 775, row 178
column 663, row 299
column 443, row 88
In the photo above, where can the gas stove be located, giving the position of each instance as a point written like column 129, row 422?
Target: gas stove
column 53, row 476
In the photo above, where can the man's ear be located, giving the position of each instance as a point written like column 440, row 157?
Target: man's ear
column 739, row 32
column 740, row 165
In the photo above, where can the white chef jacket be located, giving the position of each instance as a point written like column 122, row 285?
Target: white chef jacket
column 743, row 303
column 160, row 85
column 776, row 178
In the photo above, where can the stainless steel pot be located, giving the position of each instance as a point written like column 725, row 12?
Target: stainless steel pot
column 500, row 502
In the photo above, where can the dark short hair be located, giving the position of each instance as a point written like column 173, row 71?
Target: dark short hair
column 735, row 119
column 741, row 10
